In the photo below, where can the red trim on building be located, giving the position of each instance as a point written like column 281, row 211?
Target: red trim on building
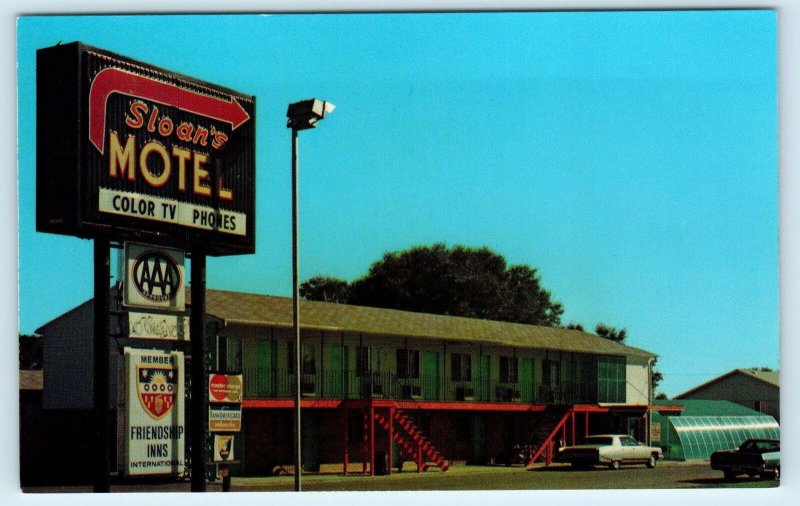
column 506, row 407
column 289, row 403
column 387, row 403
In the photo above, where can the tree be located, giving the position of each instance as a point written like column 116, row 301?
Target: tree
column 524, row 300
column 574, row 326
column 661, row 396
column 326, row 289
column 611, row 333
column 655, row 377
column 456, row 281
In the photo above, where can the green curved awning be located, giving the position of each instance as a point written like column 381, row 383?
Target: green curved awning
column 700, row 436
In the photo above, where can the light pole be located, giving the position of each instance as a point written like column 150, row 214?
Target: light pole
column 301, row 116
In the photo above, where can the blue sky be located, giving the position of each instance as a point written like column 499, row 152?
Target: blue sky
column 630, row 157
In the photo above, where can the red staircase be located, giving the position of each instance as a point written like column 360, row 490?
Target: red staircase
column 549, row 447
column 412, row 442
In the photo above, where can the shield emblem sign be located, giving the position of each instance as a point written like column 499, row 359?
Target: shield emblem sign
column 156, row 386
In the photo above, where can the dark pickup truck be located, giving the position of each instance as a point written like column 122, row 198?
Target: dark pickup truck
column 754, row 457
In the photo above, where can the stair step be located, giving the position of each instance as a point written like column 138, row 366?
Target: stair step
column 415, row 443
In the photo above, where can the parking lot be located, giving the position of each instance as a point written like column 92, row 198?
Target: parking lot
column 667, row 475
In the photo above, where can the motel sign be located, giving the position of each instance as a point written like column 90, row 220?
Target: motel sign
column 135, row 152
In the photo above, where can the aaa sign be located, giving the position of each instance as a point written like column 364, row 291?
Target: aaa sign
column 136, row 151
column 154, row 277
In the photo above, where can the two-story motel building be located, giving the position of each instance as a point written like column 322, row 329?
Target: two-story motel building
column 441, row 389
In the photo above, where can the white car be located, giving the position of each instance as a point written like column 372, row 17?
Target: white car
column 612, row 450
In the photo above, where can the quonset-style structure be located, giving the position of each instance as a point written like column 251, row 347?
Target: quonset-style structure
column 705, row 426
column 384, row 386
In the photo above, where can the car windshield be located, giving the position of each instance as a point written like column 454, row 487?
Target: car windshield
column 767, row 446
column 628, row 441
column 760, row 446
column 598, row 440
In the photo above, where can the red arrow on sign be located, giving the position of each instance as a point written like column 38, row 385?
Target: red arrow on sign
column 114, row 80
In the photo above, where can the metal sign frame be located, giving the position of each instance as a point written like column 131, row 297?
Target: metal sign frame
column 132, row 151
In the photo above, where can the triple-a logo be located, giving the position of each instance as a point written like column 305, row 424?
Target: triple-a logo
column 156, row 276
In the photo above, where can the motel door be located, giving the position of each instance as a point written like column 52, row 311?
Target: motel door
column 479, row 455
column 430, row 375
column 484, row 378
column 265, row 369
column 551, row 378
column 526, row 380
column 310, row 440
column 336, row 366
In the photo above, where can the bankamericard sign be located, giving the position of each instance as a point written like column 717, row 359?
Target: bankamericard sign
column 131, row 151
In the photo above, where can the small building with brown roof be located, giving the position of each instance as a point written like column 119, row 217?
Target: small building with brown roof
column 752, row 388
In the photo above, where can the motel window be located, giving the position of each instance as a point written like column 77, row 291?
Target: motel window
column 551, row 373
column 611, row 379
column 407, row 364
column 309, row 362
column 461, row 366
column 508, row 370
column 367, row 360
column 233, row 354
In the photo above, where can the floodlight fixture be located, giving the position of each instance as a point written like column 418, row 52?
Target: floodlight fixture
column 306, row 114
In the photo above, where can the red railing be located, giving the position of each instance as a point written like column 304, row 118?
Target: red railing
column 546, row 449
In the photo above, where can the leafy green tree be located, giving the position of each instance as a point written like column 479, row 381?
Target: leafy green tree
column 612, row 333
column 326, row 289
column 524, row 300
column 656, row 377
column 456, row 281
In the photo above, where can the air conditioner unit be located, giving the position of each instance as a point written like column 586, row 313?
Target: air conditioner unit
column 505, row 394
column 411, row 391
column 465, row 394
column 308, row 388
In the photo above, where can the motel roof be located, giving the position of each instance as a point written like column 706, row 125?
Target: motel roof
column 247, row 309
column 263, row 310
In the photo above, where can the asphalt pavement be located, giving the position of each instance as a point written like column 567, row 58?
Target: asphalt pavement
column 666, row 475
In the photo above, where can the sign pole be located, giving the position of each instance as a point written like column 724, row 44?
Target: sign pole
column 199, row 380
column 298, row 453
column 222, row 354
column 102, row 276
